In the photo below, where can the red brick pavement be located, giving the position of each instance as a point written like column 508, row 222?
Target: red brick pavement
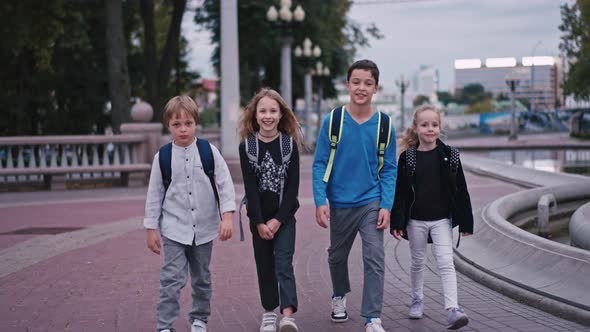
column 113, row 285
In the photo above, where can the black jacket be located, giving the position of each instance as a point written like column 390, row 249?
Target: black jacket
column 454, row 184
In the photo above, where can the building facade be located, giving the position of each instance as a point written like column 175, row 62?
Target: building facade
column 539, row 84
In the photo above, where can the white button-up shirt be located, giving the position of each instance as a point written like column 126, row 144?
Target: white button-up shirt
column 189, row 210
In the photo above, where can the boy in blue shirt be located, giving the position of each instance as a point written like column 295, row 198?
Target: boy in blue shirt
column 356, row 206
column 187, row 216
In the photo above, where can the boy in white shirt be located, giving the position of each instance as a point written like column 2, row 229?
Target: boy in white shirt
column 187, row 215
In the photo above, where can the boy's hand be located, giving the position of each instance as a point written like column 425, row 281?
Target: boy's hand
column 465, row 234
column 226, row 226
column 273, row 225
column 383, row 219
column 322, row 216
column 153, row 241
column 265, row 232
column 397, row 234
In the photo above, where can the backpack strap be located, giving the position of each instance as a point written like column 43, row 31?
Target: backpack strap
column 165, row 160
column 208, row 161
column 383, row 138
column 454, row 160
column 286, row 151
column 411, row 161
column 252, row 149
column 334, row 132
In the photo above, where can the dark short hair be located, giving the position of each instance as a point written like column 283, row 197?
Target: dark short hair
column 365, row 65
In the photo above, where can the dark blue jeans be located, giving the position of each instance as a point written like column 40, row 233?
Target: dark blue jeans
column 274, row 265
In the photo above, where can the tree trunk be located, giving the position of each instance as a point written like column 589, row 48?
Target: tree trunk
column 119, row 87
column 149, row 51
column 158, row 73
column 170, row 49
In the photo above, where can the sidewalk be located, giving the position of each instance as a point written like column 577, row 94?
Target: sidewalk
column 104, row 278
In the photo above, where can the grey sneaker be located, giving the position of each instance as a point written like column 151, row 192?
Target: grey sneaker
column 339, row 314
column 198, row 326
column 269, row 322
column 456, row 318
column 416, row 309
column 287, row 324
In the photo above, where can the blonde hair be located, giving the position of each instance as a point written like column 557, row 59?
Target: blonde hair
column 287, row 124
column 410, row 138
column 180, row 104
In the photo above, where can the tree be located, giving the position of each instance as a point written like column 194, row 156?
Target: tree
column 445, row 97
column 326, row 24
column 52, row 63
column 575, row 42
column 420, row 99
column 119, row 89
column 472, row 94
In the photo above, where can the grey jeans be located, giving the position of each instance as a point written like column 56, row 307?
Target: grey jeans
column 344, row 225
column 441, row 233
column 179, row 259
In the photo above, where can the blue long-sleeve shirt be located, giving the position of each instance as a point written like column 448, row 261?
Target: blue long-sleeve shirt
column 354, row 180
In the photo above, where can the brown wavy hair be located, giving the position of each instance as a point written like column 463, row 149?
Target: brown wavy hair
column 287, row 124
column 410, row 138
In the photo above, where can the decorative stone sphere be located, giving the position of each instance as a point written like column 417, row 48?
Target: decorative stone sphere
column 142, row 112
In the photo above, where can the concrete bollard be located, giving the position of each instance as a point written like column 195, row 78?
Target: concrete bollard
column 546, row 205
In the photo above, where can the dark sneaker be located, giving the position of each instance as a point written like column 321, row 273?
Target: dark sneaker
column 339, row 314
column 456, row 319
column 416, row 309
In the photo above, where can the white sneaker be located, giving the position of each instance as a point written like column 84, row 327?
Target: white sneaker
column 339, row 314
column 269, row 322
column 374, row 326
column 198, row 326
column 287, row 324
column 166, row 330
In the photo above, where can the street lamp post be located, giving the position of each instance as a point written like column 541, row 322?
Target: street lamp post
column 283, row 18
column 512, row 84
column 532, row 100
column 403, row 86
column 320, row 72
column 307, row 53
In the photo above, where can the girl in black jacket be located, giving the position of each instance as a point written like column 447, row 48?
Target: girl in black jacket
column 269, row 158
column 431, row 198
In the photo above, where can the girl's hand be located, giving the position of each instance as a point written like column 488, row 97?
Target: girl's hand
column 397, row 234
column 465, row 234
column 264, row 232
column 153, row 241
column 274, row 225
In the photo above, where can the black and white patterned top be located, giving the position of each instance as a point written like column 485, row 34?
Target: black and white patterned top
column 262, row 182
column 269, row 174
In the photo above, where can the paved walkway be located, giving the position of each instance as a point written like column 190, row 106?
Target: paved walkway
column 103, row 278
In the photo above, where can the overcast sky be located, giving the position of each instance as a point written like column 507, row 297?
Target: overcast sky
column 436, row 32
